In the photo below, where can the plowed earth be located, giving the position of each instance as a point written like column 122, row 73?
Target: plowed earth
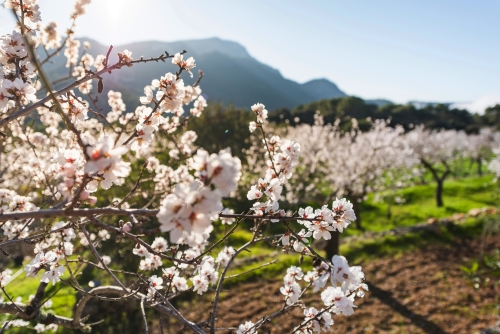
column 423, row 291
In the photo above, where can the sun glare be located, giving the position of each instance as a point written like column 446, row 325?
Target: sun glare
column 115, row 9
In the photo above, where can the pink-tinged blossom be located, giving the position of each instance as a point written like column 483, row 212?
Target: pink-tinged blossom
column 285, row 239
column 344, row 213
column 14, row 229
column 72, row 51
column 208, row 272
column 191, row 93
column 198, row 106
column 294, row 273
column 150, row 262
column 225, row 256
column 53, row 274
column 246, row 328
column 40, row 261
column 273, row 190
column 21, row 90
column 335, row 296
column 361, row 290
column 105, row 161
column 299, row 245
column 156, row 282
column 180, row 283
column 291, row 293
column 67, row 233
column 322, row 320
column 173, row 217
column 140, row 250
column 222, row 169
column 187, row 64
column 260, row 110
column 307, row 213
column 5, row 98
column 349, row 277
column 159, row 244
column 49, row 36
column 252, row 127
column 99, row 62
column 254, row 193
column 148, row 98
column 200, row 284
column 5, row 277
column 144, row 136
column 321, row 230
column 125, row 57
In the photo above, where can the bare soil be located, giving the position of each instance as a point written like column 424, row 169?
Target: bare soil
column 423, row 291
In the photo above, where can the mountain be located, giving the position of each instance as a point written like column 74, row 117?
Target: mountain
column 231, row 74
column 322, row 89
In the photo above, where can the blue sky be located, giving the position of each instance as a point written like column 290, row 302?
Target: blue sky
column 447, row 51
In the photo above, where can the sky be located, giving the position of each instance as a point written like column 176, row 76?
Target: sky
column 439, row 51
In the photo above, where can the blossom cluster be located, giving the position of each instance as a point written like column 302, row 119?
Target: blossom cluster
column 187, row 212
column 282, row 158
column 171, row 95
column 346, row 284
column 10, row 201
column 320, row 224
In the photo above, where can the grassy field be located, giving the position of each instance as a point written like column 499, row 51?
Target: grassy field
column 459, row 196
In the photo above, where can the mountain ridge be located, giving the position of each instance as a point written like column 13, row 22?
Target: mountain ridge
column 231, row 74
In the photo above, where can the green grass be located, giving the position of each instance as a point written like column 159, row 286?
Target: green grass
column 62, row 296
column 23, row 287
column 459, row 196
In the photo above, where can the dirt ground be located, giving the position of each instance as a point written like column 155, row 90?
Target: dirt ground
column 418, row 292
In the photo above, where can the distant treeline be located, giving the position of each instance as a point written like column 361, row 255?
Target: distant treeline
column 439, row 116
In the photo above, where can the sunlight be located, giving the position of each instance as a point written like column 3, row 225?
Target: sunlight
column 115, row 10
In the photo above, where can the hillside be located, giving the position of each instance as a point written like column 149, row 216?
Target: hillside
column 232, row 75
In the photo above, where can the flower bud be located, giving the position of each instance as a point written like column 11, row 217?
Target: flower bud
column 127, row 227
column 84, row 195
column 69, row 182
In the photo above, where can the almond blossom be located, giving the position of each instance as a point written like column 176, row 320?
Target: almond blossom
column 106, row 164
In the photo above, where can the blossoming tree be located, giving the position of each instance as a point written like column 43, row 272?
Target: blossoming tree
column 436, row 150
column 480, row 146
column 337, row 164
column 61, row 158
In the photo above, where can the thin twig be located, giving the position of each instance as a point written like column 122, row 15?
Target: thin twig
column 144, row 317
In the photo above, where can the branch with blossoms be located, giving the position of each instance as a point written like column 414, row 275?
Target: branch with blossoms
column 58, row 192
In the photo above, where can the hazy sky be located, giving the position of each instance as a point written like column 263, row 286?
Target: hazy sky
column 446, row 50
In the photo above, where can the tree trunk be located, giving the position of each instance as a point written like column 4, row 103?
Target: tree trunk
column 479, row 167
column 439, row 193
column 355, row 207
column 389, row 212
column 439, row 180
column 333, row 245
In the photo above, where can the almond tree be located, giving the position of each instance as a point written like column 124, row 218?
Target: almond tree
column 352, row 164
column 479, row 146
column 436, row 150
column 63, row 161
